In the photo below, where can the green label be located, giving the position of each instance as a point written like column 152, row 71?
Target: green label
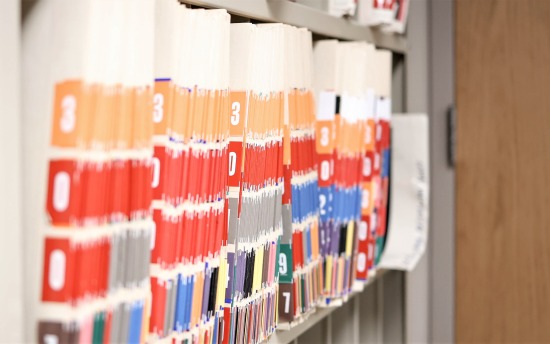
column 284, row 263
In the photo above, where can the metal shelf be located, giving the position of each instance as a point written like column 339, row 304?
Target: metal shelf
column 317, row 21
column 287, row 336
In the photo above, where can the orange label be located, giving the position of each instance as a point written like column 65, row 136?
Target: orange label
column 286, row 146
column 102, row 133
column 68, row 114
column 237, row 114
column 180, row 116
column 123, row 133
column 162, row 106
column 367, row 198
column 324, row 137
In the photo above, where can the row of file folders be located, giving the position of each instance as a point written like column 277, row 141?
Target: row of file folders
column 208, row 182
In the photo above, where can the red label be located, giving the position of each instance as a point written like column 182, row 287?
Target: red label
column 57, row 282
column 64, row 191
column 235, row 155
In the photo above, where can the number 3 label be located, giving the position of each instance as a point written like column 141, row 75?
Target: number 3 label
column 235, row 115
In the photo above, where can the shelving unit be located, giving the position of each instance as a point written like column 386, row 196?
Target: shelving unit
column 318, row 22
column 378, row 304
column 390, row 308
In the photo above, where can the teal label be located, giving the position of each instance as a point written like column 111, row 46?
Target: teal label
column 284, row 263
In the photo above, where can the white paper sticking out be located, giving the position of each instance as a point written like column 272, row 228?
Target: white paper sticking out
column 407, row 234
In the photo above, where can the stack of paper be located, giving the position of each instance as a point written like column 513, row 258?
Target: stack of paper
column 375, row 164
column 202, row 187
column 96, row 273
column 344, row 126
column 255, row 179
column 381, row 163
column 300, row 271
column 191, row 102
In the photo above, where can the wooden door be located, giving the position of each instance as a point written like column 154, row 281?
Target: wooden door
column 503, row 171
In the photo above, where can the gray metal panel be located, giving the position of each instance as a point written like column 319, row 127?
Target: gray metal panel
column 417, row 296
column 11, row 204
column 393, row 300
column 303, row 16
column 36, row 57
column 442, row 244
column 370, row 330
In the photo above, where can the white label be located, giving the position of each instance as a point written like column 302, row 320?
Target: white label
column 407, row 236
column 347, row 107
column 158, row 107
column 363, row 230
column 68, row 118
column 383, row 108
column 326, row 106
column 61, row 191
column 370, row 103
column 361, row 262
column 156, row 173
column 232, row 163
column 56, row 276
column 325, row 170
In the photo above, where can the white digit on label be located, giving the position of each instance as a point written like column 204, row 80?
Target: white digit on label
column 368, row 135
column 235, row 116
column 367, row 168
column 158, row 109
column 61, row 191
column 363, row 230
column 68, row 118
column 56, row 276
column 365, row 200
column 282, row 264
column 322, row 203
column 51, row 339
column 156, row 172
column 325, row 170
column 361, row 262
column 325, row 139
column 286, row 295
column 232, row 163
